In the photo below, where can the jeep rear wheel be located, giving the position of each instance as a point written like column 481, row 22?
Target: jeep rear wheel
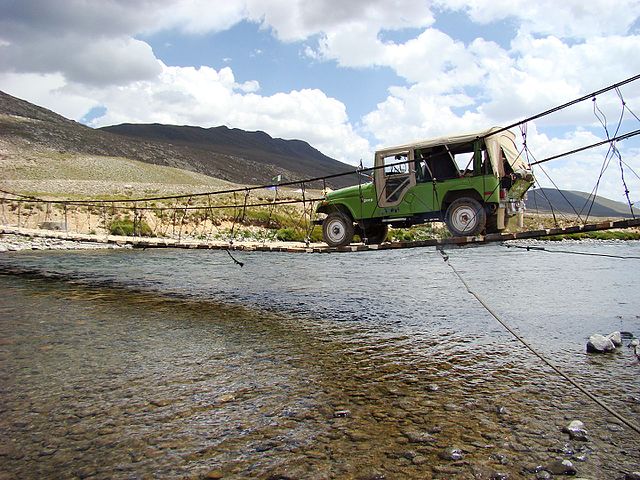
column 492, row 224
column 376, row 233
column 337, row 230
column 465, row 217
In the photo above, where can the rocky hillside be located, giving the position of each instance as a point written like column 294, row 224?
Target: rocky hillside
column 541, row 200
column 232, row 155
column 260, row 150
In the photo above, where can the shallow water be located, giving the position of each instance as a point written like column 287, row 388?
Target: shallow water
column 166, row 363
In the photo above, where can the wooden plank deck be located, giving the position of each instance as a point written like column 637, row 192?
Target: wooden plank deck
column 298, row 247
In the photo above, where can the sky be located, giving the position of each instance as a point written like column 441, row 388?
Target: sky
column 347, row 76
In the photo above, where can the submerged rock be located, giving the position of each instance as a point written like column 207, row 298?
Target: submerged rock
column 561, row 467
column 454, row 454
column 600, row 344
column 576, row 431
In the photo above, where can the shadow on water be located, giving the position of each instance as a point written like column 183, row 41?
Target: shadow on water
column 133, row 364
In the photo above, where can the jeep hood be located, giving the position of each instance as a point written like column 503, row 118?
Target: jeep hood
column 346, row 192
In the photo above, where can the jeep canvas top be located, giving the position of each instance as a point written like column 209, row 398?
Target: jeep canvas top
column 472, row 182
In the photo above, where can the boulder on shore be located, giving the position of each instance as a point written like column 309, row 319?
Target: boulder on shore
column 600, row 344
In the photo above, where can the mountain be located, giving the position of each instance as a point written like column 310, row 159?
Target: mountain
column 568, row 202
column 294, row 156
column 228, row 154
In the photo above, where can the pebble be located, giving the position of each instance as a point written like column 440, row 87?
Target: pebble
column 418, row 437
column 576, row 431
column 453, row 454
column 341, row 413
column 419, row 460
column 561, row 467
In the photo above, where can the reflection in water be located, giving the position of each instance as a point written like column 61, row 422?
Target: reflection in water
column 134, row 364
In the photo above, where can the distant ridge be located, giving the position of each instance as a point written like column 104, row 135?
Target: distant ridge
column 259, row 147
column 565, row 201
column 229, row 154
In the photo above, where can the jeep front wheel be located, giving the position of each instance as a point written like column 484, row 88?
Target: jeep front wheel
column 337, row 230
column 465, row 217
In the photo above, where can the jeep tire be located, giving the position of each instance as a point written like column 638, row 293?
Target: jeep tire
column 465, row 217
column 337, row 229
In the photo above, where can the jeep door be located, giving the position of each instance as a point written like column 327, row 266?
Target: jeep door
column 394, row 177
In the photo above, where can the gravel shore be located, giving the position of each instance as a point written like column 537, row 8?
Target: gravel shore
column 16, row 243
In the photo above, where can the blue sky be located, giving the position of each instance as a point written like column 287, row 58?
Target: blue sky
column 348, row 77
column 254, row 53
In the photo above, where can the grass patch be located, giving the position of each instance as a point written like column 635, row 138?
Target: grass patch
column 600, row 235
column 429, row 231
column 126, row 227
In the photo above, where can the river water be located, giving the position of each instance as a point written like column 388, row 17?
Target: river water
column 180, row 364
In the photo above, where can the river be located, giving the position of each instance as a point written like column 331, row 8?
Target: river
column 372, row 365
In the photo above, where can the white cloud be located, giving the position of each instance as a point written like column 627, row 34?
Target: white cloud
column 47, row 90
column 568, row 18
column 201, row 96
column 299, row 19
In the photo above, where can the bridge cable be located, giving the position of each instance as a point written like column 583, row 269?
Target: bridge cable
column 613, row 412
column 543, row 249
column 523, row 132
column 602, row 118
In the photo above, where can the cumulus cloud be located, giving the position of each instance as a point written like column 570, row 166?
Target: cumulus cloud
column 208, row 97
column 299, row 19
column 569, row 18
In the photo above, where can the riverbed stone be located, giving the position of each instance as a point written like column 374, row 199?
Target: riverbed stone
column 415, row 436
column 632, row 476
column 599, row 344
column 341, row 413
column 453, row 454
column 419, row 460
column 561, row 467
column 576, row 431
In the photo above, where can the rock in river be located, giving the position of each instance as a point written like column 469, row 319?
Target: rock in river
column 454, row 454
column 599, row 344
column 561, row 467
column 576, row 431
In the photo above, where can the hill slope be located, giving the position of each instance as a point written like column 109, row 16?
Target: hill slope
column 257, row 147
column 565, row 201
column 233, row 155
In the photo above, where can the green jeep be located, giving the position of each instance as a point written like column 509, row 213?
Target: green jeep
column 471, row 182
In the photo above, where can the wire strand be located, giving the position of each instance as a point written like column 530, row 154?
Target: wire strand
column 606, row 407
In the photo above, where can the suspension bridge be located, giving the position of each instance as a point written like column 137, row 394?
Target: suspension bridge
column 219, row 219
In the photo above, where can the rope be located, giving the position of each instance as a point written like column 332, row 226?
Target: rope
column 535, row 352
column 543, row 249
column 237, row 262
